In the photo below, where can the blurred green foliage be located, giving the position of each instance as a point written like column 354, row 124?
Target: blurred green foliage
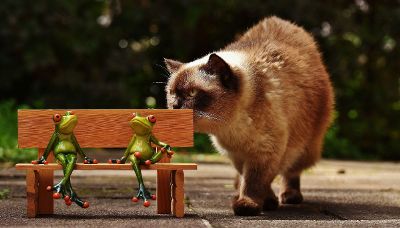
column 108, row 54
column 9, row 151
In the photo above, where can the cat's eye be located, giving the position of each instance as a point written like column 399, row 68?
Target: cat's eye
column 192, row 92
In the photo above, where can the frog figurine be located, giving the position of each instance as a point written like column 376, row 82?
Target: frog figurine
column 140, row 152
column 64, row 145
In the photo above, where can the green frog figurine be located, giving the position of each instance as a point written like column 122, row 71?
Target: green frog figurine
column 65, row 147
column 140, row 152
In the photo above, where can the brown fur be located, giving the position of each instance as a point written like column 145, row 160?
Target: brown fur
column 274, row 121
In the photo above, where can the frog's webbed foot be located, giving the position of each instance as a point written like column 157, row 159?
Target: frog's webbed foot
column 78, row 201
column 145, row 195
column 60, row 190
column 74, row 198
column 68, row 194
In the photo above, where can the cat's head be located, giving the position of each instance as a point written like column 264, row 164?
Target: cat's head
column 209, row 86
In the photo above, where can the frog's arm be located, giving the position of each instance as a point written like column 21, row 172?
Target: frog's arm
column 80, row 151
column 159, row 143
column 165, row 147
column 78, row 148
column 50, row 146
column 128, row 149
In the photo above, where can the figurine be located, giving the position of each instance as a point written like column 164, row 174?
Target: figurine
column 139, row 152
column 64, row 145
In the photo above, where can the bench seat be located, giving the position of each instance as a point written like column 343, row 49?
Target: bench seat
column 107, row 166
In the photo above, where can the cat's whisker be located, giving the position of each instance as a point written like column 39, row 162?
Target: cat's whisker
column 168, row 74
column 208, row 115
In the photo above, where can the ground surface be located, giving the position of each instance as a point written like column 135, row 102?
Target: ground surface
column 336, row 194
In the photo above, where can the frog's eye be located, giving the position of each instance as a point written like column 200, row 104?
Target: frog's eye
column 56, row 117
column 71, row 112
column 133, row 115
column 152, row 118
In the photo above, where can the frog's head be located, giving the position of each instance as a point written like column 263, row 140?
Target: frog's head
column 65, row 124
column 142, row 124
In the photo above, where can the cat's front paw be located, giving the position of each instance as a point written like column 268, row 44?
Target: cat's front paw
column 246, row 207
column 291, row 196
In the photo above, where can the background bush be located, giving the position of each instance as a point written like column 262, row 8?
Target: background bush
column 108, row 54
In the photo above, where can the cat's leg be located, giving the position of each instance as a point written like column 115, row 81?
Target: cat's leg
column 256, row 178
column 290, row 188
column 290, row 192
column 270, row 201
column 236, row 182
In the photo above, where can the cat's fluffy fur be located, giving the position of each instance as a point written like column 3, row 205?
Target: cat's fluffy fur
column 266, row 100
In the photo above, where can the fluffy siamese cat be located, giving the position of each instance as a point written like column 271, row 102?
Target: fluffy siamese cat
column 266, row 101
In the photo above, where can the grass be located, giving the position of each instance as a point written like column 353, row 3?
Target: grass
column 4, row 193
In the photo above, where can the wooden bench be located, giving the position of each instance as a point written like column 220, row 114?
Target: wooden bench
column 106, row 128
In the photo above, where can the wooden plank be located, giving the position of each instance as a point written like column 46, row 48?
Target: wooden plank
column 164, row 188
column 107, row 166
column 32, row 177
column 46, row 178
column 105, row 128
column 178, row 205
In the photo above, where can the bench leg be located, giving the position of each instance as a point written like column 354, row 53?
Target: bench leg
column 164, row 189
column 45, row 198
column 32, row 194
column 178, row 206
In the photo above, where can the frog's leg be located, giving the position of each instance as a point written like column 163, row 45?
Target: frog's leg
column 60, row 188
column 156, row 157
column 71, row 159
column 142, row 191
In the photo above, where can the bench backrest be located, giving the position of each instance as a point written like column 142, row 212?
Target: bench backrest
column 105, row 128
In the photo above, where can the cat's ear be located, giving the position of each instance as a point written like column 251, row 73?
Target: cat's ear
column 172, row 65
column 216, row 65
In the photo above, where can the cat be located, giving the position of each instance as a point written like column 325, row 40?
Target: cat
column 266, row 101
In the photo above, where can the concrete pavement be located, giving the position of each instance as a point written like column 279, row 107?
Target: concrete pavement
column 336, row 193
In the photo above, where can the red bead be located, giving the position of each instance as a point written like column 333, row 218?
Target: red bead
column 163, row 150
column 135, row 199
column 110, row 161
column 153, row 197
column 45, row 162
column 171, row 152
column 118, row 161
column 146, row 203
column 35, row 162
column 71, row 112
column 94, row 161
column 85, row 204
column 138, row 155
column 86, row 161
column 56, row 195
column 67, row 198
column 147, row 162
column 68, row 203
column 49, row 188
